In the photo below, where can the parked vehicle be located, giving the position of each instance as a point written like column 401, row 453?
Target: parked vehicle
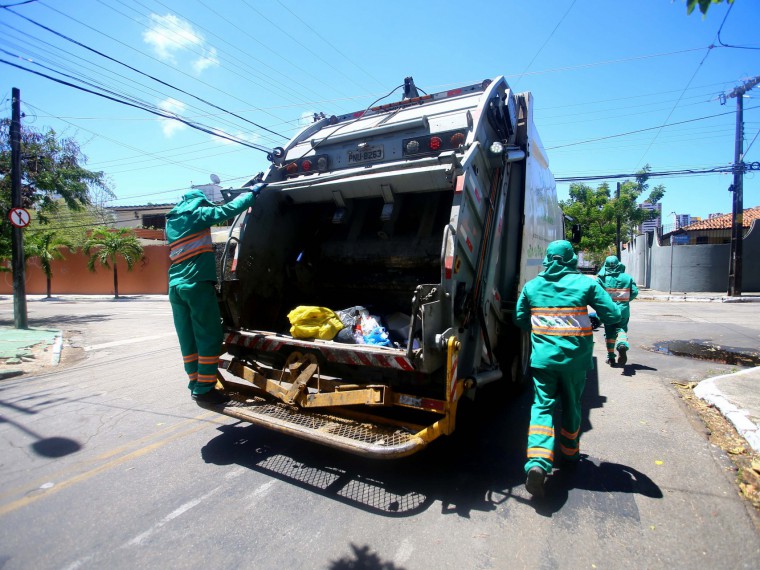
column 427, row 215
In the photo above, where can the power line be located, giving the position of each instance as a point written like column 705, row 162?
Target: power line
column 646, row 129
column 730, row 7
column 546, row 41
column 108, row 57
column 683, row 172
column 362, row 68
column 196, row 126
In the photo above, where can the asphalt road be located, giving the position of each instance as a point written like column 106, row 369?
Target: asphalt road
column 109, row 463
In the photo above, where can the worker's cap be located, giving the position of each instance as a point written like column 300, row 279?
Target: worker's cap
column 560, row 251
column 611, row 262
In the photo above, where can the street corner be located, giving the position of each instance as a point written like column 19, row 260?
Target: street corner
column 737, row 398
column 24, row 351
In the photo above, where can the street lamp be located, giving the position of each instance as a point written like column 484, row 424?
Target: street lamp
column 675, row 223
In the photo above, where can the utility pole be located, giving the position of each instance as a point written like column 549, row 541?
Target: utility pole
column 17, row 237
column 737, row 212
column 617, row 239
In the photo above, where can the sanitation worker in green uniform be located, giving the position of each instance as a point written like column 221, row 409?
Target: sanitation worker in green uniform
column 192, row 291
column 553, row 306
column 623, row 290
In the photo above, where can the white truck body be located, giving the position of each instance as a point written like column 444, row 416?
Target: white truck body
column 438, row 208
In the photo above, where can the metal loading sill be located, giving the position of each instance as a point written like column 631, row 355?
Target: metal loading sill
column 352, row 354
column 360, row 437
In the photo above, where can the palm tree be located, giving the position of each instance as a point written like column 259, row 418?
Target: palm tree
column 107, row 244
column 46, row 246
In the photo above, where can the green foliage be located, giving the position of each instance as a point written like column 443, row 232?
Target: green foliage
column 51, row 174
column 704, row 5
column 105, row 245
column 597, row 211
column 46, row 246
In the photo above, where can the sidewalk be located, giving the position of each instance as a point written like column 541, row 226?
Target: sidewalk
column 736, row 396
column 16, row 345
column 699, row 297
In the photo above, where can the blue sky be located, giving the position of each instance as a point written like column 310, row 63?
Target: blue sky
column 251, row 68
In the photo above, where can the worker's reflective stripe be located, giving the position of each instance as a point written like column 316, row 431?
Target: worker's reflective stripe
column 541, row 430
column 190, row 246
column 193, row 376
column 561, row 321
column 190, row 358
column 623, row 295
column 206, row 378
column 563, row 432
column 208, row 359
column 540, row 452
column 568, row 450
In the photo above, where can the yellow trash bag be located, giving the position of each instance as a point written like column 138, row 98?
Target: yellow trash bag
column 314, row 322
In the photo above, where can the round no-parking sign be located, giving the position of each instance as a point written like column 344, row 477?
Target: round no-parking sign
column 19, row 217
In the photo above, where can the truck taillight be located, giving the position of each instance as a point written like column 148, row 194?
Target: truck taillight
column 431, row 144
column 305, row 165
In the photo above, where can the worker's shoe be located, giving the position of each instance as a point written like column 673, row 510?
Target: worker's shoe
column 534, row 483
column 622, row 354
column 610, row 359
column 214, row 397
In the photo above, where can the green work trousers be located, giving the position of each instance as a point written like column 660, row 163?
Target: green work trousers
column 617, row 335
column 199, row 328
column 551, row 385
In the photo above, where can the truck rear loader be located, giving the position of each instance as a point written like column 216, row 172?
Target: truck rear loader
column 429, row 214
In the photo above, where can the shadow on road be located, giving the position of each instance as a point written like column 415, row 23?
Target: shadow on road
column 631, row 369
column 477, row 469
column 60, row 321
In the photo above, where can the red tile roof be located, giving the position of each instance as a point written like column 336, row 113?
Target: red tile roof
column 724, row 222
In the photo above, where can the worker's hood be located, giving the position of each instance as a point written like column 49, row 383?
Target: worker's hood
column 612, row 267
column 190, row 201
column 560, row 260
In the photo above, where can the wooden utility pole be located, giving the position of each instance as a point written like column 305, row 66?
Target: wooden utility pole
column 617, row 238
column 17, row 237
column 737, row 211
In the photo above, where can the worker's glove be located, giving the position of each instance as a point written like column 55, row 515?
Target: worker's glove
column 256, row 190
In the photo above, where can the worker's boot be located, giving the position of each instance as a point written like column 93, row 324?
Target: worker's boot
column 214, row 397
column 622, row 354
column 610, row 359
column 534, row 483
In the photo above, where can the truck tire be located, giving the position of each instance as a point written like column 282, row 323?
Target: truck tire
column 520, row 375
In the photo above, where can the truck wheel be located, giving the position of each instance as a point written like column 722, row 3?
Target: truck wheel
column 520, row 376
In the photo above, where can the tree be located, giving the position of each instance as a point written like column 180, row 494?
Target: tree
column 104, row 246
column 597, row 212
column 51, row 174
column 46, row 246
column 704, row 5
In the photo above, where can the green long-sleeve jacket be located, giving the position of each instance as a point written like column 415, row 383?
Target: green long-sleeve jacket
column 553, row 306
column 188, row 231
column 620, row 286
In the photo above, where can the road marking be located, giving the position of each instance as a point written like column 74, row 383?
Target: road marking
column 259, row 493
column 29, row 499
column 127, row 341
column 30, row 486
column 138, row 540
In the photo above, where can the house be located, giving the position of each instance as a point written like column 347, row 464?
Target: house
column 147, row 216
column 714, row 230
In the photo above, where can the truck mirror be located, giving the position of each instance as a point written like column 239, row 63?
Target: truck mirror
column 576, row 233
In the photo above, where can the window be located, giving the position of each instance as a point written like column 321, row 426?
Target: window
column 702, row 240
column 157, row 221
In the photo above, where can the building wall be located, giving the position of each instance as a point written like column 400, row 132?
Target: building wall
column 71, row 276
column 696, row 268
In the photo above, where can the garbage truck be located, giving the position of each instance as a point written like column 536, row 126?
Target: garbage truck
column 423, row 217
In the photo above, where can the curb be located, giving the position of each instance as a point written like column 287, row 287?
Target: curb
column 739, row 417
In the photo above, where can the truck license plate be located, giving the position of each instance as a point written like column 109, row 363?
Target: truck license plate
column 367, row 154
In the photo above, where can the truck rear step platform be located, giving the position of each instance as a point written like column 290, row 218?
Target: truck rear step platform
column 375, row 440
